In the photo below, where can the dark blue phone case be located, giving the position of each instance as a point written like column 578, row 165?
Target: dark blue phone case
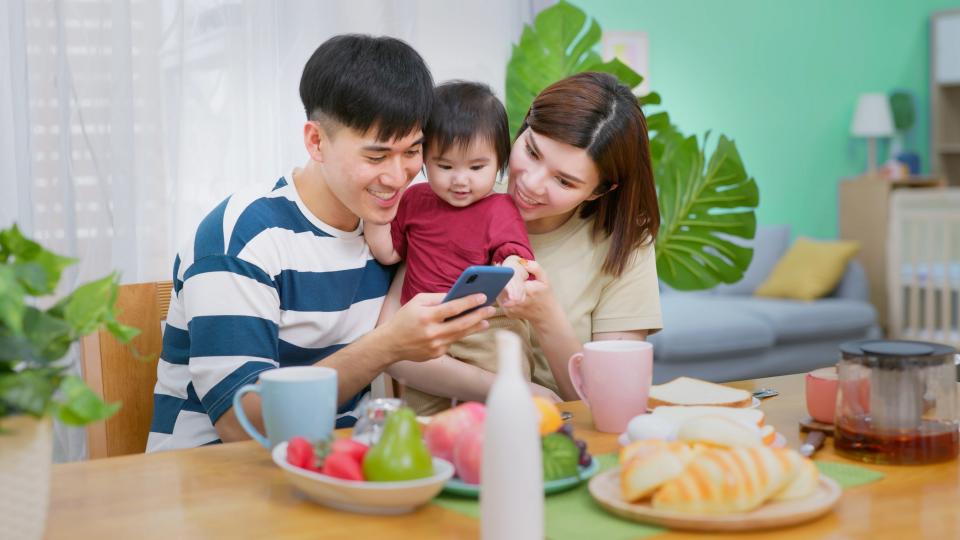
column 489, row 280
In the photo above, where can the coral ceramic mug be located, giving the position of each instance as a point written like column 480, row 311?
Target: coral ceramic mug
column 821, row 393
column 613, row 379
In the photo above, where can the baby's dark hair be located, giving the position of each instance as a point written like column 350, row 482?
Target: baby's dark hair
column 463, row 111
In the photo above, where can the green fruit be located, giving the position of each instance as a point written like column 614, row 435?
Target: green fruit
column 560, row 457
column 400, row 453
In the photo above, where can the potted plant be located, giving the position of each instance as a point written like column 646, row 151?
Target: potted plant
column 904, row 118
column 35, row 385
column 705, row 199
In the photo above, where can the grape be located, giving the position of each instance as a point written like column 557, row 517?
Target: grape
column 567, row 430
column 584, row 458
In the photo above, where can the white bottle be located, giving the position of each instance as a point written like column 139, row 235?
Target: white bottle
column 511, row 476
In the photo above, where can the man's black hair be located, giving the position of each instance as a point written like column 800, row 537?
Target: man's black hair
column 464, row 111
column 365, row 82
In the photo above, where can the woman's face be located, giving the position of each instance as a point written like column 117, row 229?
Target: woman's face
column 549, row 180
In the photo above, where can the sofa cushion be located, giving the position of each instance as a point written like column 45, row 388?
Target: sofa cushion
column 809, row 270
column 769, row 244
column 793, row 320
column 696, row 326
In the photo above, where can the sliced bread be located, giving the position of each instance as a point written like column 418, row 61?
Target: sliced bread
column 689, row 391
column 680, row 414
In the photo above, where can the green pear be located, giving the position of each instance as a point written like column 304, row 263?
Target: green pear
column 400, row 454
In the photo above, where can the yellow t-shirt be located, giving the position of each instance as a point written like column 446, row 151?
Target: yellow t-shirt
column 595, row 301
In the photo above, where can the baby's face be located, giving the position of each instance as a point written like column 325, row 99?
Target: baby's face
column 462, row 176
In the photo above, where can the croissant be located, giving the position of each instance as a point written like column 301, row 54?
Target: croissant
column 804, row 482
column 648, row 464
column 727, row 480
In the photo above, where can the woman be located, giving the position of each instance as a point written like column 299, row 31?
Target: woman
column 580, row 173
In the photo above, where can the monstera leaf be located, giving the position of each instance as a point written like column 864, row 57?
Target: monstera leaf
column 704, row 203
column 560, row 43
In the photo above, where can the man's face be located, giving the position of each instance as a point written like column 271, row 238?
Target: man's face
column 368, row 176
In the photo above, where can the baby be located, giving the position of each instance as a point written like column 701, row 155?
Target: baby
column 455, row 220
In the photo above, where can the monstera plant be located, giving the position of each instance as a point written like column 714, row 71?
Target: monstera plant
column 706, row 202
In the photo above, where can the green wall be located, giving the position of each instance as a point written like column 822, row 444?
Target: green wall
column 781, row 78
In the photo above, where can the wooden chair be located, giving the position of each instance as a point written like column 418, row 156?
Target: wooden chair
column 113, row 370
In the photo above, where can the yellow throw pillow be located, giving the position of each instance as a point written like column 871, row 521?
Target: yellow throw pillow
column 809, row 270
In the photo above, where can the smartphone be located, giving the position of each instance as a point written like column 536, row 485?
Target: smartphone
column 489, row 280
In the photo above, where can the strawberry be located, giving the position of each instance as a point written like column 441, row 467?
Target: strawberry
column 342, row 465
column 300, row 453
column 349, row 446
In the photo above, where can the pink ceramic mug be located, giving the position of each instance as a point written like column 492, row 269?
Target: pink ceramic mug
column 613, row 379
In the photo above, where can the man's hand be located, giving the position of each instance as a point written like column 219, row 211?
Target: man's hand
column 420, row 329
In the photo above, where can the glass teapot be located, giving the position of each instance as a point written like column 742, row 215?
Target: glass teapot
column 897, row 402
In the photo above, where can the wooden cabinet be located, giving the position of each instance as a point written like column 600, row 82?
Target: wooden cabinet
column 945, row 95
column 863, row 215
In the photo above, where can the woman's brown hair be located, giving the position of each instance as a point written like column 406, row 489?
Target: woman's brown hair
column 597, row 113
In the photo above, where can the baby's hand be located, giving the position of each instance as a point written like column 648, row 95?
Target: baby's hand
column 515, row 291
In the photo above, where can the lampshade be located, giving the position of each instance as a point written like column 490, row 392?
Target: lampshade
column 873, row 117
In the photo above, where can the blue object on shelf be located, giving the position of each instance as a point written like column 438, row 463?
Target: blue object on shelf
column 911, row 160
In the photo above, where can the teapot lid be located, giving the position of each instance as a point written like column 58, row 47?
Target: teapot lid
column 896, row 349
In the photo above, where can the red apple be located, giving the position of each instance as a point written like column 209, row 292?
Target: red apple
column 446, row 428
column 468, row 454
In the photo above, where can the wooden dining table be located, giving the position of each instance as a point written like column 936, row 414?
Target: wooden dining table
column 235, row 491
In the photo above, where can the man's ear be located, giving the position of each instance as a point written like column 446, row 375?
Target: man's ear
column 594, row 196
column 313, row 139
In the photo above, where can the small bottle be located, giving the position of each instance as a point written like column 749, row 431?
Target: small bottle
column 511, row 476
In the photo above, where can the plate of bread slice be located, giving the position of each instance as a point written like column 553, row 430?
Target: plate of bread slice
column 716, row 474
column 690, row 392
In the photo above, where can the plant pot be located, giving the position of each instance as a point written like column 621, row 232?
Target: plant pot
column 26, row 453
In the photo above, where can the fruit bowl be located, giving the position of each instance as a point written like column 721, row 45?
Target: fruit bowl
column 457, row 487
column 383, row 498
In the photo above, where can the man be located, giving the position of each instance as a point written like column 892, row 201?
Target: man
column 281, row 277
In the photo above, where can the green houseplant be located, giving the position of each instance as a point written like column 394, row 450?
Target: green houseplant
column 35, row 384
column 705, row 200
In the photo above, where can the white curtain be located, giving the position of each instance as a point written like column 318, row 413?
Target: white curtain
column 122, row 122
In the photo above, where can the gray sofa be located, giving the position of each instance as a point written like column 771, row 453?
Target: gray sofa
column 726, row 333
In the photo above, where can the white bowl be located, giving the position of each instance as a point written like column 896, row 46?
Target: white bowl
column 365, row 497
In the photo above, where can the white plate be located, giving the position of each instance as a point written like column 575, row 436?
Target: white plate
column 383, row 498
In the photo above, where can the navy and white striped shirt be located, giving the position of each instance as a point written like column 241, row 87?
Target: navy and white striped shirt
column 263, row 284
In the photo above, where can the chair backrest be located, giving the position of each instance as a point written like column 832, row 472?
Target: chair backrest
column 116, row 372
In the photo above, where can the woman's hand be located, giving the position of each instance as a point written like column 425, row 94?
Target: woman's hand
column 539, row 303
column 550, row 326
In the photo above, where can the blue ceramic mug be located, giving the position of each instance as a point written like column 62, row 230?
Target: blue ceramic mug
column 295, row 401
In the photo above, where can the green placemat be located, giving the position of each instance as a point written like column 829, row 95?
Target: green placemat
column 574, row 515
column 571, row 515
column 848, row 475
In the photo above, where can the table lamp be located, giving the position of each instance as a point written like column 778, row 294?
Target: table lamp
column 872, row 119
